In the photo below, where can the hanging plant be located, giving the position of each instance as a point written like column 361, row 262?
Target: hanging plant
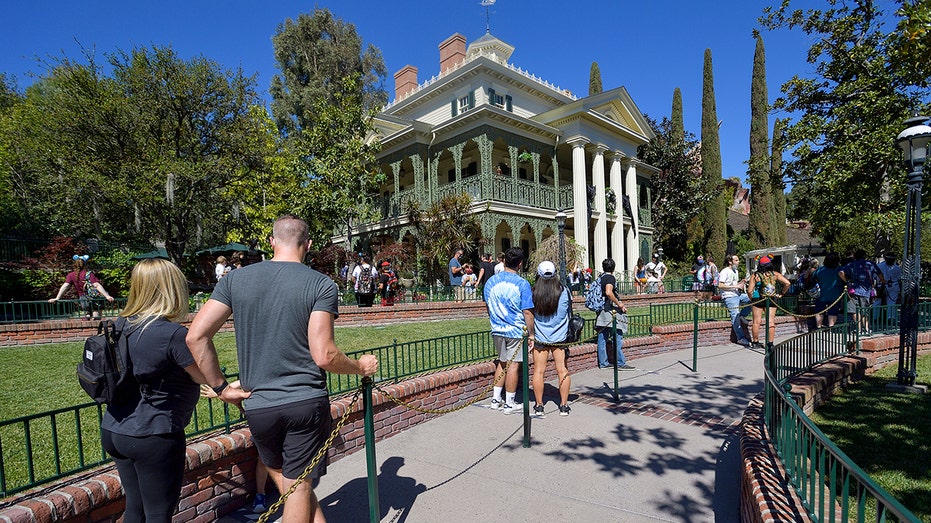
column 524, row 157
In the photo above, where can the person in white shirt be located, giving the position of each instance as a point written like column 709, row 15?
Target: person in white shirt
column 500, row 267
column 658, row 268
column 733, row 293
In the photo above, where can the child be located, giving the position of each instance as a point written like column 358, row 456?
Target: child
column 469, row 281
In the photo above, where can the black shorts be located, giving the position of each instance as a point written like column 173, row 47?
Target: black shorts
column 288, row 437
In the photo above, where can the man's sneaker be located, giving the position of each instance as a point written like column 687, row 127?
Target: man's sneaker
column 745, row 343
column 495, row 404
column 564, row 410
column 508, row 408
column 258, row 505
column 538, row 411
column 627, row 367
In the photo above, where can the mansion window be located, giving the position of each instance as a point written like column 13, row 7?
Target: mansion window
column 463, row 103
column 497, row 100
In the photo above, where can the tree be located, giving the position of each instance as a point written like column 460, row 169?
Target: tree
column 870, row 72
column 679, row 194
column 594, row 80
column 335, row 163
column 324, row 100
column 442, row 228
column 12, row 215
column 148, row 153
column 715, row 208
column 678, row 128
column 778, row 185
column 761, row 203
column 312, row 54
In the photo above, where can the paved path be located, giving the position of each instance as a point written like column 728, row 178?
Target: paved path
column 666, row 452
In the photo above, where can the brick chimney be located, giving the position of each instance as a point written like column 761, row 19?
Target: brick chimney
column 452, row 51
column 405, row 81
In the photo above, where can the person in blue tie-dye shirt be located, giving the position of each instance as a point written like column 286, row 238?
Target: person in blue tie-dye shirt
column 510, row 309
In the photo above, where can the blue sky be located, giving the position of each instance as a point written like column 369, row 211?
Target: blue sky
column 648, row 47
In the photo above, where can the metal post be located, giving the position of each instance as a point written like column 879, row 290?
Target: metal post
column 561, row 225
column 695, row 338
column 526, row 392
column 617, row 396
column 914, row 141
column 911, row 280
column 370, row 461
column 769, row 342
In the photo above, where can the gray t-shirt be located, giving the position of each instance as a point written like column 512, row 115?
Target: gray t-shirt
column 271, row 303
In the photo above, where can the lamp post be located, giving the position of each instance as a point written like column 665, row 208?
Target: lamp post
column 561, row 225
column 914, row 143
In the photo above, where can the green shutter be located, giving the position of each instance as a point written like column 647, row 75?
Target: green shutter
column 471, row 99
column 453, row 106
column 507, row 103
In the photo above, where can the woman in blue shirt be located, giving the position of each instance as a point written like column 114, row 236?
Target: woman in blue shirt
column 552, row 307
column 828, row 277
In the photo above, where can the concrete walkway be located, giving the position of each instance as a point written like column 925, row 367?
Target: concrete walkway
column 666, row 452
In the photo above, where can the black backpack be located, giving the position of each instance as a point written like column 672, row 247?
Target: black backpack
column 105, row 371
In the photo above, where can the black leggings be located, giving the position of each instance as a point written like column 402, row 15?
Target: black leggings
column 151, row 470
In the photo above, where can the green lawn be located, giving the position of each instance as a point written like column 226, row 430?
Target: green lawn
column 39, row 378
column 886, row 434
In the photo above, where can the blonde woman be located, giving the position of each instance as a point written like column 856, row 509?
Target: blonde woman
column 144, row 431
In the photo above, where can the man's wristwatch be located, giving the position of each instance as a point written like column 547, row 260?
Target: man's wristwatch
column 220, row 388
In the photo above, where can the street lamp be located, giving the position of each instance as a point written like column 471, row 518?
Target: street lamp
column 561, row 225
column 914, row 143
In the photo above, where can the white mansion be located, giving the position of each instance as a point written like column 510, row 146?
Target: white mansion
column 522, row 149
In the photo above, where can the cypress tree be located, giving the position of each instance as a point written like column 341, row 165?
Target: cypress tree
column 778, row 184
column 715, row 208
column 758, row 172
column 594, row 79
column 678, row 129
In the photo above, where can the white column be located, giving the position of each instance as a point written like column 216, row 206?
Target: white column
column 579, row 196
column 617, row 232
column 633, row 234
column 600, row 240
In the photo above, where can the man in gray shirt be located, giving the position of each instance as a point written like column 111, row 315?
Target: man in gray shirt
column 284, row 313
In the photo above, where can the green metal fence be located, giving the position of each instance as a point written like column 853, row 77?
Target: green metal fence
column 33, row 311
column 45, row 447
column 830, row 485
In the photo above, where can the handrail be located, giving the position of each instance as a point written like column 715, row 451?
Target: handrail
column 41, row 310
column 830, row 485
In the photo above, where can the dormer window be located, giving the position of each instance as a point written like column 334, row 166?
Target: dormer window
column 497, row 100
column 463, row 103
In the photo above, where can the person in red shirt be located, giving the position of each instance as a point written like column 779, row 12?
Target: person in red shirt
column 86, row 285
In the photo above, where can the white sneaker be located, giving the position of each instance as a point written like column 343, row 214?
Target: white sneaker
column 508, row 408
column 495, row 404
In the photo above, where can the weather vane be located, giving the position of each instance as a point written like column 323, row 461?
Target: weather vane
column 486, row 4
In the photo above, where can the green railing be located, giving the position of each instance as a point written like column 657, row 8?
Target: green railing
column 830, row 485
column 33, row 311
column 45, row 447
column 49, row 446
column 416, row 295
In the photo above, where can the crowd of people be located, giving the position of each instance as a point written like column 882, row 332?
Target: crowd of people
column 285, row 315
